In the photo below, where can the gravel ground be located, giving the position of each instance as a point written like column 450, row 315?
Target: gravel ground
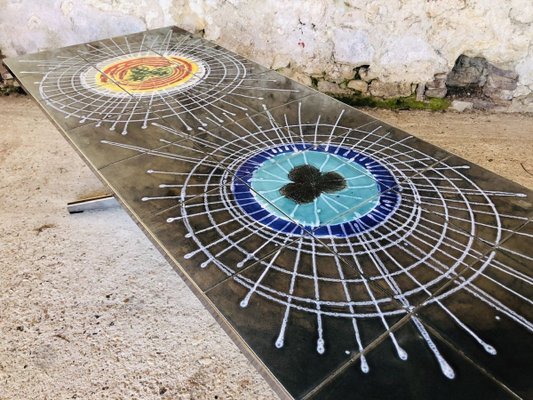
column 88, row 307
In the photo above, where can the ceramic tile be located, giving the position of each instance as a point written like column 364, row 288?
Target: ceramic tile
column 74, row 110
column 309, row 325
column 76, row 92
column 433, row 370
column 43, row 74
column 403, row 155
column 517, row 246
column 133, row 88
column 412, row 265
column 340, row 253
column 338, row 145
column 245, row 85
column 217, row 82
column 211, row 242
column 155, row 180
column 71, row 69
column 487, row 314
column 472, row 199
column 101, row 51
column 419, row 249
column 101, row 145
column 234, row 141
column 319, row 114
column 263, row 149
column 412, row 249
column 237, row 196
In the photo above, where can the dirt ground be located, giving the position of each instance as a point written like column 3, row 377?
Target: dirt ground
column 90, row 310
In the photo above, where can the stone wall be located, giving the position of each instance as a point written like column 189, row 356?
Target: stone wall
column 380, row 48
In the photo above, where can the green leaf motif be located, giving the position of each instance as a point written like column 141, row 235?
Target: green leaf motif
column 143, row 73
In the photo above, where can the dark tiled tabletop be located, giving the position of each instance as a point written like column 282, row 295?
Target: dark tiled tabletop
column 345, row 257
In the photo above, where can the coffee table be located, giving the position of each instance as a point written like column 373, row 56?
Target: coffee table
column 345, row 257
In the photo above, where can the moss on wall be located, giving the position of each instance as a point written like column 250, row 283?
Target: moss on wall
column 398, row 103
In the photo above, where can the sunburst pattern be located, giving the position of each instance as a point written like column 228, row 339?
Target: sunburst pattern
column 306, row 207
column 116, row 82
column 410, row 248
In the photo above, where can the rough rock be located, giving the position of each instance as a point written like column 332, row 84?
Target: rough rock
column 366, row 74
column 338, row 73
column 436, row 93
column 521, row 91
column 304, row 79
column 522, row 104
column 500, row 84
column 497, row 94
column 461, row 106
column 390, row 89
column 358, row 86
column 500, row 78
column 522, row 13
column 6, row 79
column 332, row 88
column 5, row 74
column 437, row 86
column 420, row 89
column 486, row 105
column 468, row 71
column 300, row 77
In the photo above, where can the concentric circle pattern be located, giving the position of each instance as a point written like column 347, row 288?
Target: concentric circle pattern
column 364, row 194
column 171, row 77
column 143, row 75
column 334, row 221
column 321, row 215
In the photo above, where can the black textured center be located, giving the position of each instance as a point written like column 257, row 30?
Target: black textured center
column 308, row 183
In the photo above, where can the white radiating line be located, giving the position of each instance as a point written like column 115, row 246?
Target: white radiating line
column 490, row 349
column 245, row 301
column 446, row 369
column 320, row 344
column 516, row 253
column 364, row 364
column 280, row 341
column 394, row 223
column 333, row 129
column 402, row 354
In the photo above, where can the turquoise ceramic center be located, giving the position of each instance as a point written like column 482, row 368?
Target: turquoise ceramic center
column 355, row 197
